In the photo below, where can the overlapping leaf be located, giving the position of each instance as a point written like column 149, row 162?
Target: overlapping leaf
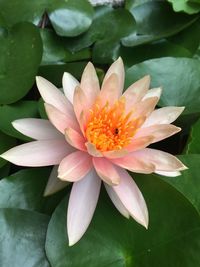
column 147, row 17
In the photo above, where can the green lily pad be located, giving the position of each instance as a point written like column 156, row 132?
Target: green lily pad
column 4, row 171
column 190, row 7
column 6, row 143
column 54, row 72
column 55, row 52
column 179, row 78
column 193, row 146
column 188, row 183
column 112, row 240
column 164, row 48
column 70, row 18
column 19, row 110
column 23, row 235
column 21, row 53
column 17, row 11
column 41, row 109
column 108, row 27
column 53, row 47
column 188, row 38
column 147, row 17
column 25, row 190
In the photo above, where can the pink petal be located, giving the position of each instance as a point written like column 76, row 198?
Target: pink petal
column 54, row 96
column 91, row 149
column 60, row 120
column 69, row 85
column 54, row 183
column 132, row 198
column 75, row 139
column 74, row 166
column 90, row 83
column 144, row 107
column 115, row 153
column 162, row 161
column 81, row 105
column 164, row 115
column 38, row 153
column 110, row 90
column 159, row 131
column 118, row 68
column 155, row 92
column 136, row 91
column 116, row 201
column 140, row 143
column 134, row 164
column 106, row 170
column 169, row 174
column 82, row 203
column 38, row 129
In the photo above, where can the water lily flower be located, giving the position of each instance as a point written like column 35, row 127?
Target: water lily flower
column 95, row 135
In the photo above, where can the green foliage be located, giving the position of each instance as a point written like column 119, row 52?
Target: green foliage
column 188, row 183
column 148, row 29
column 187, row 6
column 50, row 37
column 9, row 113
column 115, row 241
column 70, row 18
column 21, row 52
column 193, row 146
column 23, row 234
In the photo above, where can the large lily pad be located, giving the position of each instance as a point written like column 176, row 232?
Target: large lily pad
column 112, row 240
column 17, row 11
column 24, row 190
column 188, row 183
column 147, row 17
column 22, row 236
column 193, row 146
column 21, row 53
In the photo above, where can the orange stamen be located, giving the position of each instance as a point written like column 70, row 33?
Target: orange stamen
column 109, row 128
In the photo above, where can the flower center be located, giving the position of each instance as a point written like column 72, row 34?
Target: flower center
column 109, row 127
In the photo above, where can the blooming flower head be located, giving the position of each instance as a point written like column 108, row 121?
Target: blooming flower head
column 93, row 135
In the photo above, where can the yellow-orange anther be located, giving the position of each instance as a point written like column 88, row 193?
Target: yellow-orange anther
column 109, row 128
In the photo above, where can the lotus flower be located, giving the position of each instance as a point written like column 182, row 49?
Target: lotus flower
column 95, row 135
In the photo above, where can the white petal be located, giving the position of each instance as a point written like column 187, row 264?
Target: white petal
column 74, row 166
column 164, row 115
column 38, row 129
column 155, row 92
column 60, row 120
column 69, row 85
column 90, row 83
column 38, row 153
column 82, row 203
column 116, row 201
column 132, row 198
column 118, row 68
column 162, row 161
column 54, row 183
column 53, row 96
column 169, row 174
